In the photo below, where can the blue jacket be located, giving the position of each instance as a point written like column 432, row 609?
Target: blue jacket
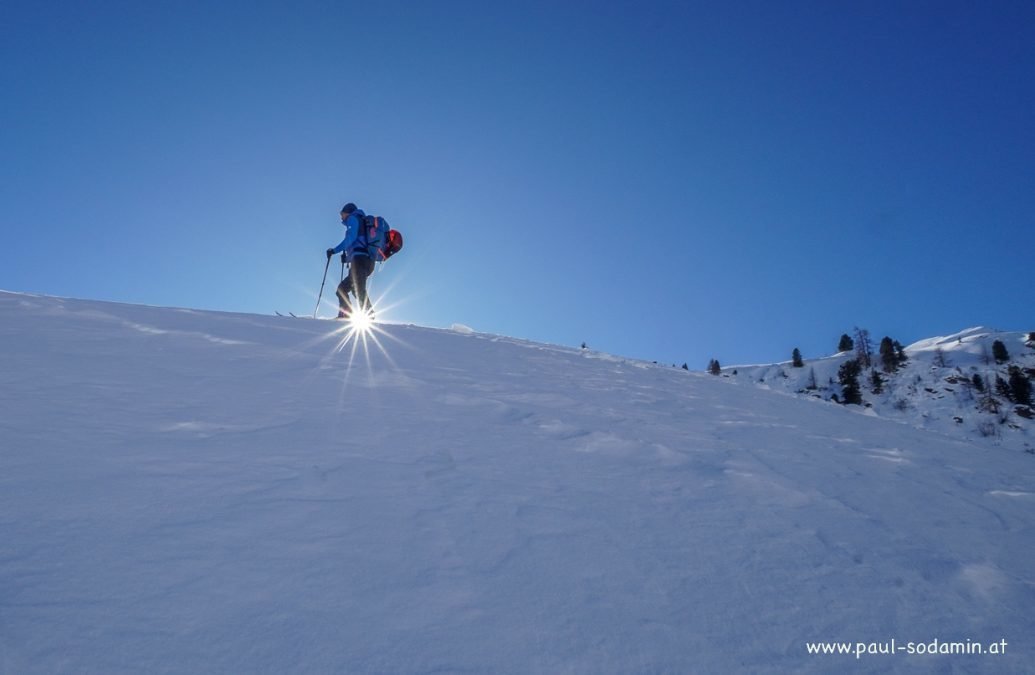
column 353, row 226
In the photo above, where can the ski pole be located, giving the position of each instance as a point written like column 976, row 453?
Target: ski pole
column 320, row 297
column 343, row 267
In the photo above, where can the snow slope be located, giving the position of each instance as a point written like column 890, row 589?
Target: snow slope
column 932, row 390
column 186, row 492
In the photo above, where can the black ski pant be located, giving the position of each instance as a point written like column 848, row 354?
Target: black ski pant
column 355, row 283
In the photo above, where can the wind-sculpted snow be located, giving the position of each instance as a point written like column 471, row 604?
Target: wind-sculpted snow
column 186, row 491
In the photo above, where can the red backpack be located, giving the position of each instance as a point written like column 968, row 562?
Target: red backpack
column 393, row 244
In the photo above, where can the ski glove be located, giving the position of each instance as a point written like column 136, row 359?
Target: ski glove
column 330, row 252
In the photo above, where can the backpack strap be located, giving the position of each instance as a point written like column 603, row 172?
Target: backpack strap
column 373, row 236
column 362, row 243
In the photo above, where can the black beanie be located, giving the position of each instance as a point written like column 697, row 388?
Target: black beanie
column 348, row 208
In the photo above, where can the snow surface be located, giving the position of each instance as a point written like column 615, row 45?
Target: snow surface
column 186, row 491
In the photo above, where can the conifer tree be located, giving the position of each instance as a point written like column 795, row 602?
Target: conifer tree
column 811, row 385
column 900, row 352
column 876, row 382
column 846, row 344
column 848, row 376
column 979, row 384
column 939, row 358
column 713, row 367
column 796, row 359
column 1002, row 388
column 888, row 356
column 999, row 352
column 1020, row 386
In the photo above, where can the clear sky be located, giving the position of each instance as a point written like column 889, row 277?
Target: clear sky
column 671, row 181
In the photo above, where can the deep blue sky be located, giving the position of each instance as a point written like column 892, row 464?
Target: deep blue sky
column 671, row 181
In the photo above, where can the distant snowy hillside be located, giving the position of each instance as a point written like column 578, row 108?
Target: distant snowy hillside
column 192, row 492
column 934, row 389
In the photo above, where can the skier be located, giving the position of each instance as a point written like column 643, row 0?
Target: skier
column 361, row 265
column 368, row 240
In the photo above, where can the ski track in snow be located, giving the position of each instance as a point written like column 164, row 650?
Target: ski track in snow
column 187, row 491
